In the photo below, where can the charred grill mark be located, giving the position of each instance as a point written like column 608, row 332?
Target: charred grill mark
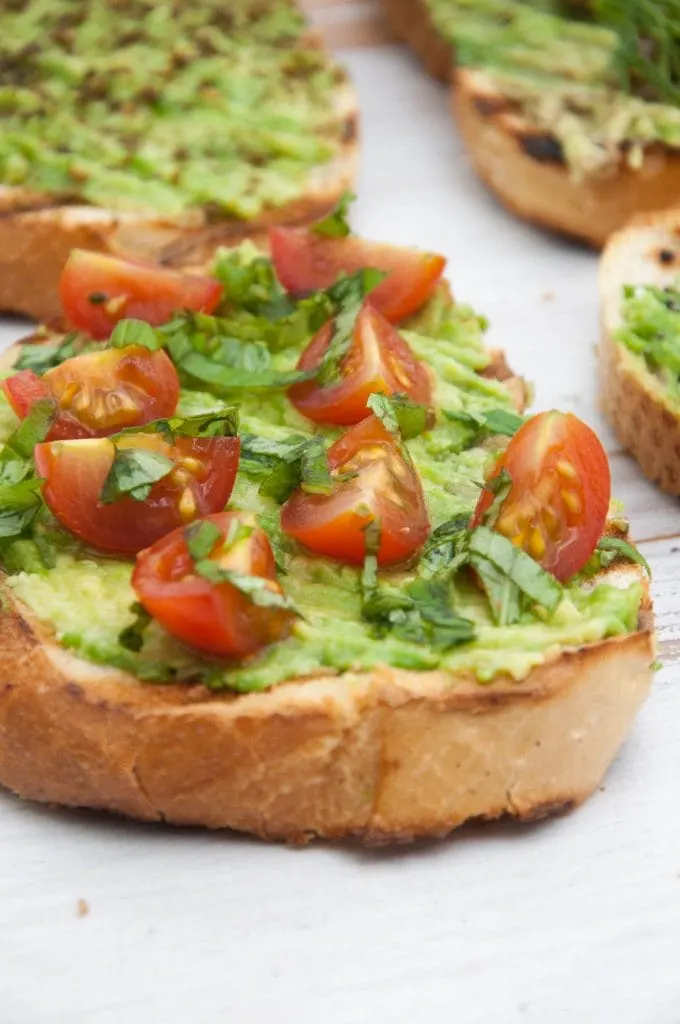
column 543, row 147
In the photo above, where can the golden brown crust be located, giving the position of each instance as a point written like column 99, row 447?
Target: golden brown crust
column 37, row 234
column 384, row 756
column 644, row 418
column 411, row 22
column 543, row 190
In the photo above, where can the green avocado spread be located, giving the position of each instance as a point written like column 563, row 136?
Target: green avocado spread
column 650, row 334
column 165, row 107
column 563, row 74
column 87, row 598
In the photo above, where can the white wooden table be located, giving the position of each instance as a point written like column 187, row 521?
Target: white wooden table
column 573, row 921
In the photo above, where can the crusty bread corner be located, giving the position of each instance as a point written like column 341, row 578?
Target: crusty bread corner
column 37, row 233
column 411, row 23
column 644, row 418
column 529, row 176
column 384, row 756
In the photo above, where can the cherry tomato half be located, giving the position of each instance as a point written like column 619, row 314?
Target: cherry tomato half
column 305, row 262
column 557, row 506
column 380, row 484
column 74, row 473
column 214, row 617
column 379, row 360
column 100, row 393
column 97, row 291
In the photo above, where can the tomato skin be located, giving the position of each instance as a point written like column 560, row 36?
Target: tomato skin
column 74, row 473
column 100, row 393
column 561, row 489
column 215, row 618
column 379, row 360
column 305, row 262
column 386, row 487
column 134, row 290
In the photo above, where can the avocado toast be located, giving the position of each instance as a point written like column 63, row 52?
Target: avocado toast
column 404, row 666
column 639, row 351
column 159, row 131
column 570, row 112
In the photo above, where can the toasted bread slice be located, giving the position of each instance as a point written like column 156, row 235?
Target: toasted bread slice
column 524, row 166
column 385, row 756
column 643, row 415
column 38, row 231
column 523, row 163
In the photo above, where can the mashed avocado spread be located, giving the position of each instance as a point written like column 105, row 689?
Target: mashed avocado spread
column 88, row 600
column 562, row 74
column 650, row 333
column 164, row 107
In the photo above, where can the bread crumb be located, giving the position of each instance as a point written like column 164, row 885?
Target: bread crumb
column 548, row 296
column 82, row 908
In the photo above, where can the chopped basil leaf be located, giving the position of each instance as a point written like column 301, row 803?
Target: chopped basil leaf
column 257, row 589
column 132, row 637
column 287, row 465
column 445, row 550
column 213, row 424
column 432, row 600
column 500, row 486
column 502, row 422
column 43, row 356
column 222, row 378
column 616, row 549
column 127, row 333
column 421, row 613
column 133, row 473
column 201, row 538
column 251, row 284
column 17, row 452
column 347, row 296
column 314, row 472
column 400, row 415
column 488, row 548
column 336, row 225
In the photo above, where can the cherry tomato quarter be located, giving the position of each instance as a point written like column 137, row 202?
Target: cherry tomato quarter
column 557, row 506
column 100, row 393
column 74, row 473
column 216, row 618
column 305, row 262
column 97, row 291
column 375, row 481
column 378, row 361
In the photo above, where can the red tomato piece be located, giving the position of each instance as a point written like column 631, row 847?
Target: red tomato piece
column 380, row 484
column 305, row 262
column 97, row 291
column 74, row 473
column 100, row 393
column 379, row 360
column 214, row 617
column 557, row 506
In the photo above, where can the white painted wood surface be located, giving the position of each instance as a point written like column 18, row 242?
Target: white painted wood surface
column 574, row 921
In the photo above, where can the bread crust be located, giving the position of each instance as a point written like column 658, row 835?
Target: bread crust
column 645, row 420
column 383, row 756
column 411, row 23
column 37, row 233
column 534, row 182
column 540, row 188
